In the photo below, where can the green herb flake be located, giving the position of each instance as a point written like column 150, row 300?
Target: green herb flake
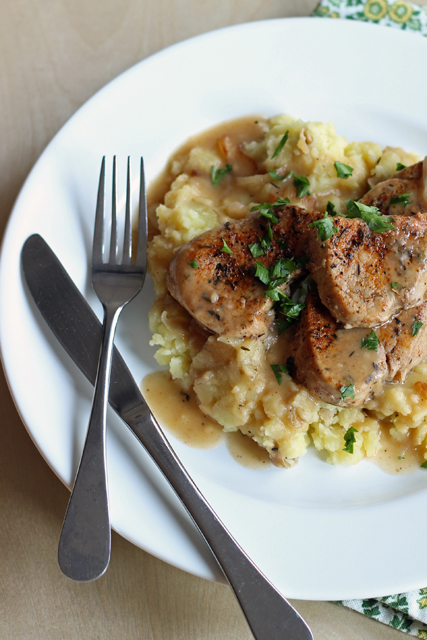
column 260, row 248
column 325, row 227
column 347, row 391
column 424, row 465
column 371, row 342
column 402, row 199
column 343, row 170
column 330, row 208
column 283, row 324
column 218, row 174
column 265, row 211
column 262, row 273
column 395, row 286
column 302, row 185
column 416, row 327
column 400, row 457
column 275, row 176
column 225, row 247
column 194, row 264
column 278, row 370
column 400, row 166
column 280, row 145
column 371, row 215
column 281, row 202
column 349, row 438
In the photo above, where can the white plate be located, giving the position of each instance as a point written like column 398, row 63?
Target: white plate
column 317, row 531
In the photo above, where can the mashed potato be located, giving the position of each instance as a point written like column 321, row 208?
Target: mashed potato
column 232, row 378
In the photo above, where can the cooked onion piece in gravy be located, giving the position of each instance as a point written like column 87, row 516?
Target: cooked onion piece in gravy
column 245, row 384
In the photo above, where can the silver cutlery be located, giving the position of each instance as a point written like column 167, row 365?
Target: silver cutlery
column 85, row 541
column 267, row 612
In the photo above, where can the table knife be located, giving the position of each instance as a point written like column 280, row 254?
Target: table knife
column 75, row 325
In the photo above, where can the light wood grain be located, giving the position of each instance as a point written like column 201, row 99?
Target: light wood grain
column 55, row 54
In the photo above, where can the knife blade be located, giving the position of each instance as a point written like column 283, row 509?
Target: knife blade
column 75, row 325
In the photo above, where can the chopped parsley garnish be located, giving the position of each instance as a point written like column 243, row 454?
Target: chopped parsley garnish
column 290, row 309
column 276, row 294
column 262, row 273
column 330, row 208
column 400, row 166
column 260, row 248
column 371, row 215
column 218, row 174
column 302, row 185
column 280, row 202
column 350, row 439
column 325, row 227
column 266, row 211
column 424, row 465
column 225, row 247
column 347, row 392
column 281, row 269
column 280, row 145
column 402, row 199
column 400, row 457
column 371, row 342
column 343, row 170
column 273, row 174
column 278, row 370
column 416, row 327
column 395, row 285
column 194, row 264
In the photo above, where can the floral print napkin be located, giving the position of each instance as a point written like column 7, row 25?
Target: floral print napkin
column 398, row 14
column 404, row 611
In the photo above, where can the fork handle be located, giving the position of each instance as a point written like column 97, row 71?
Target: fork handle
column 268, row 613
column 85, row 542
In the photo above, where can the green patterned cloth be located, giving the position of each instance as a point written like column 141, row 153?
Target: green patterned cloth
column 404, row 611
column 398, row 14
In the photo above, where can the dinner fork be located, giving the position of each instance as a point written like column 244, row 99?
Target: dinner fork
column 85, row 541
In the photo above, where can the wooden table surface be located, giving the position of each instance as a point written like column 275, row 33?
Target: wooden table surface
column 54, row 55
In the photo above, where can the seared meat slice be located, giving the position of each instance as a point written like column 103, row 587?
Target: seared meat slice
column 365, row 278
column 219, row 288
column 412, row 180
column 328, row 357
column 404, row 349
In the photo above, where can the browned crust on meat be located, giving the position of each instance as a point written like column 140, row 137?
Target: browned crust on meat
column 356, row 267
column 408, row 180
column 322, row 353
column 404, row 350
column 222, row 292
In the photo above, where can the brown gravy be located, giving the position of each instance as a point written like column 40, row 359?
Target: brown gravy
column 179, row 414
column 398, row 458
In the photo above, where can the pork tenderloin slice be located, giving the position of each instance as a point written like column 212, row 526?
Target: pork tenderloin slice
column 328, row 358
column 405, row 350
column 411, row 180
column 219, row 289
column 365, row 278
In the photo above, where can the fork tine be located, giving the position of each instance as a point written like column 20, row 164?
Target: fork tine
column 113, row 237
column 141, row 256
column 127, row 242
column 98, row 235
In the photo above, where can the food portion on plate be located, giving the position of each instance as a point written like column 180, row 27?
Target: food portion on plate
column 290, row 270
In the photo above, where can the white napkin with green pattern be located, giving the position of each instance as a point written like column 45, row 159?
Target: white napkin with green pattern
column 404, row 611
column 398, row 14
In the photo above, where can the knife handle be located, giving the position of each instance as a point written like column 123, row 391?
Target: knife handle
column 268, row 613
